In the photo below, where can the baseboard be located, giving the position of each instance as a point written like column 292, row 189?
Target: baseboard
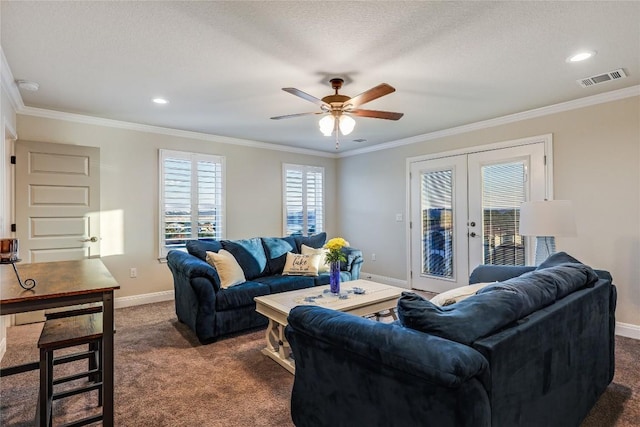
column 143, row 299
column 384, row 280
column 628, row 330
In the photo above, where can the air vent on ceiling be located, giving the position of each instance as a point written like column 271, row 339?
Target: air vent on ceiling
column 601, row 78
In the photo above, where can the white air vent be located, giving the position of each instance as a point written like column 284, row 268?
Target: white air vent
column 601, row 78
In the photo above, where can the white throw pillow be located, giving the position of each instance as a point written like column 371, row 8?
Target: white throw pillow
column 301, row 265
column 324, row 265
column 453, row 296
column 229, row 270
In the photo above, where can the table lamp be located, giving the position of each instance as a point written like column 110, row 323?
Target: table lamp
column 546, row 220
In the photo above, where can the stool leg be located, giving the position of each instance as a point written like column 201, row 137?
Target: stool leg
column 46, row 387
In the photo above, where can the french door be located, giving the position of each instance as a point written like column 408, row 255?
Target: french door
column 465, row 211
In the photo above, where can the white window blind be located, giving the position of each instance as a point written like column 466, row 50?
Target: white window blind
column 503, row 192
column 191, row 198
column 303, row 199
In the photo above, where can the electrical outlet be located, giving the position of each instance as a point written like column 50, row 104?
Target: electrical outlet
column 373, row 257
column 133, row 272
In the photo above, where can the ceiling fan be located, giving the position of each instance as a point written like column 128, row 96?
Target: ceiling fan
column 338, row 108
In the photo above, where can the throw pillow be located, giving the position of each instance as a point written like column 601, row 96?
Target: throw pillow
column 229, row 270
column 314, row 241
column 301, row 265
column 322, row 252
column 458, row 294
column 463, row 322
column 200, row 247
column 250, row 255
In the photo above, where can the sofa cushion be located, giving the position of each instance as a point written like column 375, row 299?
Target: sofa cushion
column 240, row 296
column 463, row 322
column 227, row 267
column 279, row 283
column 250, row 255
column 199, row 248
column 314, row 241
column 557, row 259
column 544, row 286
column 276, row 249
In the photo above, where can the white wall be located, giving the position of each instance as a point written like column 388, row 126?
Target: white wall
column 596, row 165
column 7, row 126
column 129, row 192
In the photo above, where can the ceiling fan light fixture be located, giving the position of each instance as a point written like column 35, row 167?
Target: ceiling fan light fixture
column 326, row 125
column 346, row 124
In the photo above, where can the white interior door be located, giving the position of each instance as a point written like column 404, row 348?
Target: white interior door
column 57, row 204
column 465, row 211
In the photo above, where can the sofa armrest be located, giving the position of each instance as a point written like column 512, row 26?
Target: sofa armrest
column 183, row 263
column 390, row 344
column 354, row 261
column 497, row 273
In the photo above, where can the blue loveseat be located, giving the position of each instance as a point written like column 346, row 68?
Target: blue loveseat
column 211, row 311
column 534, row 349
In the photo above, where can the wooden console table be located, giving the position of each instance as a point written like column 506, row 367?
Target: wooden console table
column 61, row 284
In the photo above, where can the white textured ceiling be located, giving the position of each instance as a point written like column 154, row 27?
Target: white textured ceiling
column 222, row 64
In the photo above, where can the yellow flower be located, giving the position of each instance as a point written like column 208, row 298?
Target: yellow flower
column 334, row 246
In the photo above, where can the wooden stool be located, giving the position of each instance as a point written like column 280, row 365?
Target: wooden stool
column 62, row 333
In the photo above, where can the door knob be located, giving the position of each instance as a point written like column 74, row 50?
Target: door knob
column 472, row 234
column 91, row 239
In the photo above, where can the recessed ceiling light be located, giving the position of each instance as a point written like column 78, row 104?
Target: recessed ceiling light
column 581, row 56
column 160, row 101
column 27, row 85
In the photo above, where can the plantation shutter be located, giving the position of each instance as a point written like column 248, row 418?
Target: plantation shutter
column 303, row 199
column 192, row 200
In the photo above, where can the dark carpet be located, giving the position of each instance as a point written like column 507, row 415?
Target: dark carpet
column 164, row 377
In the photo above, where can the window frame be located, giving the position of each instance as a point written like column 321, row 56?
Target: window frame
column 194, row 158
column 305, row 169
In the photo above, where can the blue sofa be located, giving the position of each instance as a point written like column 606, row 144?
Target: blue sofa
column 534, row 349
column 211, row 311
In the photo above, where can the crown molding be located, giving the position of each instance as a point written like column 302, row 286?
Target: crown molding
column 8, row 83
column 614, row 95
column 98, row 121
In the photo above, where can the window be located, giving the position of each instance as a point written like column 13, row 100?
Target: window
column 191, row 198
column 303, row 199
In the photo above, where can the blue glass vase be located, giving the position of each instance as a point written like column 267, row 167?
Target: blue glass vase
column 334, row 277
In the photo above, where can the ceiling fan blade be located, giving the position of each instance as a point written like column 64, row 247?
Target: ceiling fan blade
column 388, row 115
column 289, row 116
column 304, row 95
column 369, row 95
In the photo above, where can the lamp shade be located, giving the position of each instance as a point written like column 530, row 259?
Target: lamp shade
column 346, row 124
column 327, row 124
column 547, row 218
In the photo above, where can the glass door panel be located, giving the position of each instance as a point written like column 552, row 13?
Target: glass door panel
column 437, row 223
column 503, row 191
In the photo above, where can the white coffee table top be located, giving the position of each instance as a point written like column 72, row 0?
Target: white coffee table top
column 320, row 296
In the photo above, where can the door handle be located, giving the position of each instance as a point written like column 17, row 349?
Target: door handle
column 472, row 234
column 92, row 239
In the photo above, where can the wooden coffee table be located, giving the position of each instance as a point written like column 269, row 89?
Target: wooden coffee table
column 376, row 298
